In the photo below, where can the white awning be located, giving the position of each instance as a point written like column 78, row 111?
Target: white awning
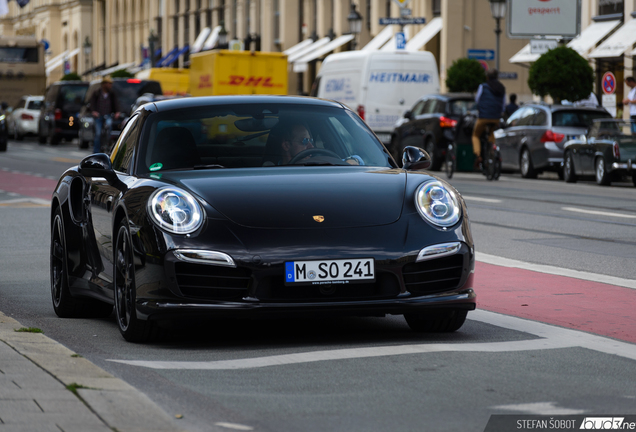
column 392, row 44
column 425, row 35
column 524, row 56
column 212, row 39
column 306, row 50
column 591, row 35
column 622, row 40
column 58, row 61
column 379, row 40
column 300, row 65
column 200, row 40
column 298, row 47
column 115, row 68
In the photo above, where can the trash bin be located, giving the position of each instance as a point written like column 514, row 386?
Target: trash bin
column 465, row 157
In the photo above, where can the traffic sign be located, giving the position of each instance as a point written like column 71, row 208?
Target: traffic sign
column 400, row 40
column 481, row 54
column 402, row 3
column 402, row 21
column 609, row 83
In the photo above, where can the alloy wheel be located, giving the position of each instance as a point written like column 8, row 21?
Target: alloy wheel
column 123, row 279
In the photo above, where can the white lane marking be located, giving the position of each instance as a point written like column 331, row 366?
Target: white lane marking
column 234, row 426
column 488, row 200
column 550, row 337
column 543, row 408
column 598, row 212
column 594, row 277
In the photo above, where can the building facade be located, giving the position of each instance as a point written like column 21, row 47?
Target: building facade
column 94, row 35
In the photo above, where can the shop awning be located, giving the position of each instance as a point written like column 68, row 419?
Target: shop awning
column 171, row 59
column 298, row 47
column 212, row 39
column 115, row 68
column 300, row 65
column 591, row 35
column 425, row 35
column 200, row 40
column 59, row 60
column 622, row 40
column 524, row 56
column 167, row 56
column 308, row 49
column 379, row 40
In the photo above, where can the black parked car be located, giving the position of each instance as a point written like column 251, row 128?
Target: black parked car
column 195, row 214
column 608, row 152
column 127, row 90
column 59, row 114
column 429, row 125
column 532, row 138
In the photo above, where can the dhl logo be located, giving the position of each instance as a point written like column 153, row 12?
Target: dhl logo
column 252, row 81
column 205, row 81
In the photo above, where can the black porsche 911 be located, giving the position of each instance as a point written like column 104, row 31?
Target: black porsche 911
column 250, row 206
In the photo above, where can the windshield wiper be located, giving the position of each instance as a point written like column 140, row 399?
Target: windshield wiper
column 211, row 166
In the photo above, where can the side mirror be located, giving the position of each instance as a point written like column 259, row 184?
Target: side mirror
column 97, row 165
column 414, row 159
column 408, row 115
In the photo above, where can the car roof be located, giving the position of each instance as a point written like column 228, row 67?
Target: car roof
column 203, row 101
column 557, row 107
column 61, row 83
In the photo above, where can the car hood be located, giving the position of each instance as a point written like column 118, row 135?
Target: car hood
column 297, row 197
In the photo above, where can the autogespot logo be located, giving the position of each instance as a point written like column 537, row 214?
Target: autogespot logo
column 606, row 423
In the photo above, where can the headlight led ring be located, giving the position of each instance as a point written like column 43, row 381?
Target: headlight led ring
column 175, row 210
column 437, row 204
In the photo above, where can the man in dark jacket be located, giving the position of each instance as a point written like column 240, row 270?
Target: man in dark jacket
column 491, row 102
column 103, row 102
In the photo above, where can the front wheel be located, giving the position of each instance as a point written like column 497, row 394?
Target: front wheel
column 429, row 146
column 602, row 176
column 130, row 327
column 450, row 163
column 443, row 321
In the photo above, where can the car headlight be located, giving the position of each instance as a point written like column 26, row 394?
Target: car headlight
column 175, row 210
column 437, row 204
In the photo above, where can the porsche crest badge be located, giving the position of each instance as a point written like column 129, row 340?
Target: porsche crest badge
column 319, row 218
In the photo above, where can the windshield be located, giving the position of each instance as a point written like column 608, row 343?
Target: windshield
column 257, row 135
column 128, row 91
column 34, row 105
column 577, row 118
column 71, row 97
column 460, row 107
column 613, row 129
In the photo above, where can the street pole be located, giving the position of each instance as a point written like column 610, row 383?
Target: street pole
column 498, row 33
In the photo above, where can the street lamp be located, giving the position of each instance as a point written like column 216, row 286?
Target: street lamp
column 222, row 41
column 498, row 10
column 88, row 48
column 355, row 24
column 152, row 44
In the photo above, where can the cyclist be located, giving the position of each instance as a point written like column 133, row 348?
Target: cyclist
column 103, row 103
column 491, row 102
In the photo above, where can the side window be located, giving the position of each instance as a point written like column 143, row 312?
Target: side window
column 429, row 108
column 20, row 104
column 540, row 118
column 122, row 154
column 513, row 120
column 418, row 108
column 527, row 117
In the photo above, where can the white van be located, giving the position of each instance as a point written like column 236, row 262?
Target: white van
column 378, row 85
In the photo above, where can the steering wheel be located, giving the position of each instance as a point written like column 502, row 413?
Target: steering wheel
column 313, row 151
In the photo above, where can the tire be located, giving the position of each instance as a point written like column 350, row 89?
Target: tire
column 429, row 147
column 42, row 139
column 130, row 327
column 525, row 162
column 84, row 144
column 601, row 174
column 16, row 135
column 569, row 175
column 442, row 321
column 3, row 145
column 55, row 140
column 64, row 304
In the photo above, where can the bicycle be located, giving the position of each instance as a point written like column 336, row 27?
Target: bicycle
column 450, row 164
column 491, row 165
column 104, row 138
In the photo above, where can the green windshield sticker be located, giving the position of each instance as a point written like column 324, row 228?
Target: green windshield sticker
column 156, row 167
column 156, row 176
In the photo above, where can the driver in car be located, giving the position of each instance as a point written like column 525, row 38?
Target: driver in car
column 297, row 139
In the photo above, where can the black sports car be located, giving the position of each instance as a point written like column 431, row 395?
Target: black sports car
column 257, row 205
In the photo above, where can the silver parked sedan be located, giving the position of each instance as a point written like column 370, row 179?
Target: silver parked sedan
column 532, row 138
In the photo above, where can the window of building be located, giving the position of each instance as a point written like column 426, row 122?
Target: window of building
column 610, row 7
column 276, row 4
column 437, row 8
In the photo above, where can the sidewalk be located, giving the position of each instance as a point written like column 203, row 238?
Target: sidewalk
column 37, row 376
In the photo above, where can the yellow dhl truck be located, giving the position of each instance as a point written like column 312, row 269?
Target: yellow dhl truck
column 224, row 72
column 173, row 81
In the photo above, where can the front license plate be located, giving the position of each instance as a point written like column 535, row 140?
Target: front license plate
column 330, row 272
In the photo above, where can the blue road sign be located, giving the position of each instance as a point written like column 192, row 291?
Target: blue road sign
column 400, row 40
column 481, row 54
column 402, row 21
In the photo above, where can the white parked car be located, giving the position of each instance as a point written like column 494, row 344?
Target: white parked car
column 24, row 118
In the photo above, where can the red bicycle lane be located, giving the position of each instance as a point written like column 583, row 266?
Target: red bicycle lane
column 593, row 307
column 27, row 185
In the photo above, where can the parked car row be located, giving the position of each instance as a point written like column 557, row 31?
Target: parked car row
column 571, row 141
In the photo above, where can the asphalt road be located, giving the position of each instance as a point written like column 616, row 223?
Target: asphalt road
column 373, row 374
